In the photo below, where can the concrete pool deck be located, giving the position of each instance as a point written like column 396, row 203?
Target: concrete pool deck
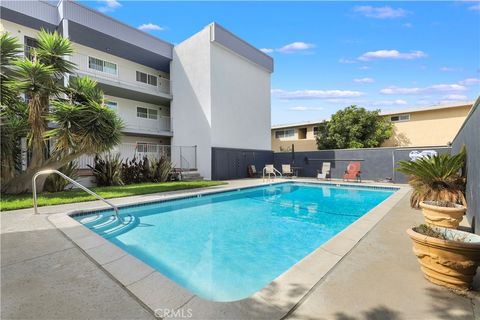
column 46, row 276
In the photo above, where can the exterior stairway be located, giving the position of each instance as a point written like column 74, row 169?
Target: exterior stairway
column 190, row 175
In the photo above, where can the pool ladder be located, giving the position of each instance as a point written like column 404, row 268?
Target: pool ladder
column 50, row 171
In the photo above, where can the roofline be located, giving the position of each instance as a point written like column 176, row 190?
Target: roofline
column 298, row 124
column 428, row 108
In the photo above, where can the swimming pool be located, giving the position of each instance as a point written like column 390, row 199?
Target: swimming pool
column 228, row 245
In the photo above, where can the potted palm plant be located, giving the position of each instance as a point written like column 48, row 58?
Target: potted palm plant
column 438, row 188
column 447, row 257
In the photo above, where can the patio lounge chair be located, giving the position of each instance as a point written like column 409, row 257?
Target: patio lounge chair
column 325, row 173
column 353, row 172
column 287, row 170
column 270, row 171
column 252, row 171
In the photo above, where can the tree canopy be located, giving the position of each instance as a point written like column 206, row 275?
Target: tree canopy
column 353, row 127
column 60, row 119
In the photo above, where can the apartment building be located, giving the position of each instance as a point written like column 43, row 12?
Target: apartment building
column 301, row 135
column 174, row 100
column 413, row 127
column 427, row 126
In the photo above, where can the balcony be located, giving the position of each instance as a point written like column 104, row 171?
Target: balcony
column 121, row 81
column 148, row 127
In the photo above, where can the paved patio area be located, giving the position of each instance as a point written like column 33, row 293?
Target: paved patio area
column 45, row 276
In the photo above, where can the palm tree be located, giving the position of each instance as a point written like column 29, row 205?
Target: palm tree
column 81, row 122
column 436, row 178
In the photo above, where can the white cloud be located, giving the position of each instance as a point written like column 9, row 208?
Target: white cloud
column 364, row 68
column 303, row 108
column 450, row 69
column 380, row 12
column 475, row 7
column 267, row 50
column 109, row 5
column 455, row 97
column 150, row 26
column 314, row 94
column 392, row 54
column 407, row 25
column 397, row 102
column 469, row 81
column 437, row 88
column 363, row 80
column 346, row 61
column 295, row 47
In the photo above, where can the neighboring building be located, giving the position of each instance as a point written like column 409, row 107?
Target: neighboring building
column 182, row 100
column 427, row 126
column 301, row 135
column 413, row 127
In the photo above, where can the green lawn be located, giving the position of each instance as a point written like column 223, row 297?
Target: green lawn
column 12, row 202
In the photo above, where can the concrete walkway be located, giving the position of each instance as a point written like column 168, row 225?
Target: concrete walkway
column 45, row 276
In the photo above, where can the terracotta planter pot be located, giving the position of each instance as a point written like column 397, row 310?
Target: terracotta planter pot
column 449, row 263
column 448, row 217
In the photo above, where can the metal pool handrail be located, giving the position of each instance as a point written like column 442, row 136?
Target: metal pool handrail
column 34, row 190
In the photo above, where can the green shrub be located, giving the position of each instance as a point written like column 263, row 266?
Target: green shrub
column 107, row 170
column 56, row 183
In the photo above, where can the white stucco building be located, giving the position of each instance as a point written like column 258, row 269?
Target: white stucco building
column 209, row 93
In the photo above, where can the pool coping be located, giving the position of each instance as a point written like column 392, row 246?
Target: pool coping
column 166, row 299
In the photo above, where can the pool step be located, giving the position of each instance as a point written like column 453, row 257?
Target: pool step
column 109, row 226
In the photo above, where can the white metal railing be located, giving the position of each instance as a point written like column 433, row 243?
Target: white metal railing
column 50, row 171
column 162, row 123
column 124, row 75
column 182, row 157
column 270, row 170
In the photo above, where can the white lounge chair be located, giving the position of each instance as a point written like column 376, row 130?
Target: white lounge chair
column 287, row 170
column 325, row 173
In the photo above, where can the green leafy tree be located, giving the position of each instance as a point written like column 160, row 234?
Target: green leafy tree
column 72, row 118
column 353, row 127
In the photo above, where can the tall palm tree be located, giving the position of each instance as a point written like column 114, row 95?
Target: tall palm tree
column 82, row 123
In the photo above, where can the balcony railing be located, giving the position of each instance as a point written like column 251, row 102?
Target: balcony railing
column 182, row 157
column 124, row 76
column 162, row 124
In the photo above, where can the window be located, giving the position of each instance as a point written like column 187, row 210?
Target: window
column 102, row 65
column 146, row 147
column 302, row 133
column 112, row 105
column 287, row 133
column 146, row 78
column 147, row 113
column 30, row 44
column 315, row 131
column 401, row 117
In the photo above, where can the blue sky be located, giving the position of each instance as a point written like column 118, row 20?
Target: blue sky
column 328, row 55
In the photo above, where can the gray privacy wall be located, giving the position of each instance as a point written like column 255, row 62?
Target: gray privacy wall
column 469, row 136
column 377, row 163
column 230, row 163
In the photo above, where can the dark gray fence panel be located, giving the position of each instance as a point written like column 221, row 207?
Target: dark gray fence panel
column 230, row 163
column 377, row 163
column 469, row 136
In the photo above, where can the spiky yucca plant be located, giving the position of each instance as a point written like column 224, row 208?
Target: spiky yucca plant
column 436, row 178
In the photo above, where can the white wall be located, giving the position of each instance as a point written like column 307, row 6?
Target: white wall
column 17, row 30
column 220, row 99
column 240, row 101
column 190, row 107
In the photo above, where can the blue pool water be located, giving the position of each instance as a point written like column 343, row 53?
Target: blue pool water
column 229, row 245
